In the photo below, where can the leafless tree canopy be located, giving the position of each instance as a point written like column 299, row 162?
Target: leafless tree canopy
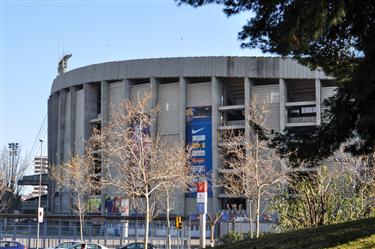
column 250, row 167
column 79, row 177
column 4, row 192
column 11, row 170
column 136, row 162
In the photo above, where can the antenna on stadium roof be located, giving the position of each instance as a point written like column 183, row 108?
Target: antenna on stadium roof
column 182, row 45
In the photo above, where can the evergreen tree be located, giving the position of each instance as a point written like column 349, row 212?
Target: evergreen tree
column 335, row 35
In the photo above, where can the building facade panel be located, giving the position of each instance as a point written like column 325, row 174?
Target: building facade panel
column 168, row 101
column 198, row 94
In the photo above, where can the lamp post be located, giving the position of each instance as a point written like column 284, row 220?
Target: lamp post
column 40, row 210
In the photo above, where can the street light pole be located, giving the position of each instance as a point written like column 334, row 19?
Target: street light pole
column 40, row 192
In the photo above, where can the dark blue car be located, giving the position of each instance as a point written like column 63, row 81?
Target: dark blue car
column 11, row 245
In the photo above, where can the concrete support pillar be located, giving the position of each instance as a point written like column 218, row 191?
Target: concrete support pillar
column 182, row 129
column 51, row 186
column 318, row 101
column 127, row 85
column 61, row 126
column 105, row 114
column 154, row 101
column 182, row 126
column 247, row 87
column 90, row 108
column 73, row 104
column 215, row 98
column 283, row 100
column 104, row 102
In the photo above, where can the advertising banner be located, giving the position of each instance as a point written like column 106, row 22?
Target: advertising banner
column 112, row 205
column 199, row 137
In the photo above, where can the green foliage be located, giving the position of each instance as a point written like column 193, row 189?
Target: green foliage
column 328, row 198
column 232, row 237
column 335, row 35
column 353, row 234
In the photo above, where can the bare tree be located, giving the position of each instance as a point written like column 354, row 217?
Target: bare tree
column 79, row 177
column 133, row 157
column 12, row 168
column 250, row 167
column 4, row 192
column 361, row 169
column 213, row 218
column 175, row 160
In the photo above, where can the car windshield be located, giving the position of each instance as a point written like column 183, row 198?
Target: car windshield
column 78, row 246
column 65, row 244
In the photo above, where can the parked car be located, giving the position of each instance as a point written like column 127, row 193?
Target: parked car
column 138, row 245
column 64, row 245
column 86, row 245
column 11, row 245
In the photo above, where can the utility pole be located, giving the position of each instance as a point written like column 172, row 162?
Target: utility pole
column 40, row 210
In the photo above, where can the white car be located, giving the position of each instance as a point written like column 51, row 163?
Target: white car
column 86, row 245
column 64, row 245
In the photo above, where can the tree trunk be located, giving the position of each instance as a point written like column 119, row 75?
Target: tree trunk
column 250, row 220
column 258, row 214
column 147, row 222
column 168, row 227
column 212, row 235
column 80, row 212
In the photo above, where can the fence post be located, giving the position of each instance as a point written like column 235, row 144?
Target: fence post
column 14, row 229
column 136, row 230
column 1, row 230
column 74, row 230
column 105, row 233
column 44, row 233
column 90, row 232
column 59, row 230
column 29, row 232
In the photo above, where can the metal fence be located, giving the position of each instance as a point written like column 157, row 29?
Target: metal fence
column 112, row 232
column 115, row 231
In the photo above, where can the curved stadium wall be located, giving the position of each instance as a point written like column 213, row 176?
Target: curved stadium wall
column 192, row 93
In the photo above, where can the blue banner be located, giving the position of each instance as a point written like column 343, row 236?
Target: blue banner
column 199, row 137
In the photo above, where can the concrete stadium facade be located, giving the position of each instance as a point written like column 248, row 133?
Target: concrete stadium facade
column 217, row 86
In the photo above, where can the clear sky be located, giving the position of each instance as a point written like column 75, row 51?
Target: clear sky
column 34, row 35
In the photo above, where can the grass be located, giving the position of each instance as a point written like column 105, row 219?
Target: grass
column 354, row 234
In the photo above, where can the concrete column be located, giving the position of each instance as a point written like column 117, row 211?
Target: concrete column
column 61, row 126
column 127, row 85
column 73, row 104
column 105, row 114
column 283, row 100
column 154, row 102
column 104, row 102
column 182, row 129
column 215, row 98
column 50, row 128
column 90, row 108
column 247, row 87
column 318, row 101
column 182, row 126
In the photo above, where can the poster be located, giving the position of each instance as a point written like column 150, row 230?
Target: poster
column 199, row 137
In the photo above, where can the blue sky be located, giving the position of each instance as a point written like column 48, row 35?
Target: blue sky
column 35, row 33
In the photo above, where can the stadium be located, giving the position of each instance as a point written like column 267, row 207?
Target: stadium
column 196, row 96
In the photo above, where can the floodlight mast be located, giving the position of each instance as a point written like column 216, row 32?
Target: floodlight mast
column 63, row 64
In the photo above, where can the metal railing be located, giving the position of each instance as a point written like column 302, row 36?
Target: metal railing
column 107, row 231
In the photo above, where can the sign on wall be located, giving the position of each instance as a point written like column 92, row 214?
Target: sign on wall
column 112, row 205
column 199, row 137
